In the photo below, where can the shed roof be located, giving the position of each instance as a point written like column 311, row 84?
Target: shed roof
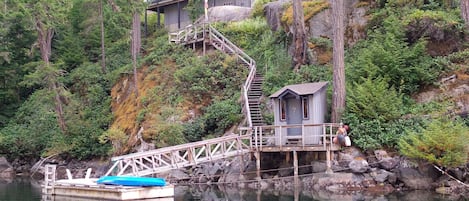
column 300, row 89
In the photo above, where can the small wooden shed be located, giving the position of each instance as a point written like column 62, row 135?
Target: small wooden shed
column 296, row 106
column 177, row 17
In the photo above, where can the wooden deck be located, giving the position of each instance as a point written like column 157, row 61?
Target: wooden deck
column 259, row 139
column 154, row 4
column 88, row 188
column 276, row 139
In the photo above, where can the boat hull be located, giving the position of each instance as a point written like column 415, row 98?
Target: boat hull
column 131, row 181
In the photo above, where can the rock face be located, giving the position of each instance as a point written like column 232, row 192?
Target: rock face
column 320, row 25
column 413, row 179
column 273, row 13
column 228, row 13
column 6, row 170
column 358, row 165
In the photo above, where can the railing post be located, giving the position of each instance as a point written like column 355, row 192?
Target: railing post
column 324, row 137
column 261, row 137
column 303, row 135
column 255, row 137
column 280, row 136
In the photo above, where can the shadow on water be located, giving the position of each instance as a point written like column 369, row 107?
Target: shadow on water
column 220, row 193
column 19, row 189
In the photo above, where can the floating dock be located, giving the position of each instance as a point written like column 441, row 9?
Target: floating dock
column 88, row 188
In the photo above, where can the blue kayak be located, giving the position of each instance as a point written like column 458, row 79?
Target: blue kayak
column 131, row 181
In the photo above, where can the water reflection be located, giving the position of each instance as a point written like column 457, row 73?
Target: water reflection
column 19, row 189
column 23, row 189
column 221, row 193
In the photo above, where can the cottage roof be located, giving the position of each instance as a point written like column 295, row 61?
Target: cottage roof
column 300, row 89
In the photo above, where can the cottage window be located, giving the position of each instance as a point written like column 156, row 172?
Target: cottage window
column 304, row 102
column 283, row 110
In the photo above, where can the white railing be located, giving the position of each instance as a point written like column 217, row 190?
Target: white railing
column 174, row 157
column 198, row 32
column 228, row 45
column 311, row 135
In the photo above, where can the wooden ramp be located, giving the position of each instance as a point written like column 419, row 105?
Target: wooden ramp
column 174, row 157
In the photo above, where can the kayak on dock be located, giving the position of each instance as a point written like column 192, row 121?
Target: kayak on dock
column 131, row 181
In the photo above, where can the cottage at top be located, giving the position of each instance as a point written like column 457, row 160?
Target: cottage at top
column 296, row 106
column 177, row 17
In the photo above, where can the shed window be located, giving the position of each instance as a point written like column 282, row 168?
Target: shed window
column 283, row 110
column 304, row 102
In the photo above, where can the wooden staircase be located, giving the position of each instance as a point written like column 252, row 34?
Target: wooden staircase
column 252, row 88
column 254, row 99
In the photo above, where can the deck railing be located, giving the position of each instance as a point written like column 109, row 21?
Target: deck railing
column 277, row 136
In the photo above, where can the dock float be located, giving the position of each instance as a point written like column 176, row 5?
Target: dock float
column 88, row 188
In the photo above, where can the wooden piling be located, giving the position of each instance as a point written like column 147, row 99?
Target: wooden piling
column 295, row 166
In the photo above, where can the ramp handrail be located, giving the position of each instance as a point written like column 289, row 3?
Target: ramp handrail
column 167, row 158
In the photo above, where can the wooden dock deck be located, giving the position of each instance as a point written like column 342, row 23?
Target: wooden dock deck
column 88, row 188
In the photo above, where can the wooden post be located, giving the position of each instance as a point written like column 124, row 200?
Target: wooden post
column 258, row 164
column 328, row 160
column 158, row 17
column 204, row 37
column 146, row 24
column 295, row 166
column 179, row 15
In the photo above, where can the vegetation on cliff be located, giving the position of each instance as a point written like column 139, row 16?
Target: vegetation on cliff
column 184, row 96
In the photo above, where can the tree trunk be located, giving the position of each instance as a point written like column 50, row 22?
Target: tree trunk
column 135, row 46
column 299, row 35
column 103, row 52
column 338, row 80
column 45, row 44
column 465, row 12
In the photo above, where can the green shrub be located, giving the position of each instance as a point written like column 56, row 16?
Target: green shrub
column 194, row 130
column 30, row 132
column 221, row 115
column 258, row 8
column 443, row 142
column 374, row 99
column 371, row 134
column 386, row 54
column 169, row 134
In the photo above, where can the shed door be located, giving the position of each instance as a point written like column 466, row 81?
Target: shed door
column 294, row 115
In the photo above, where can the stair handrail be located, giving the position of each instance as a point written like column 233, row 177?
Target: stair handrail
column 191, row 31
column 246, row 59
column 185, row 33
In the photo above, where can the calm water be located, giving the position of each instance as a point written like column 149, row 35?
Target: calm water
column 24, row 190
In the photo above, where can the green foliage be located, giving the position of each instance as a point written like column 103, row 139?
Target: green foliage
column 203, row 79
column 374, row 99
column 386, row 54
column 15, row 44
column 217, row 118
column 222, row 115
column 258, row 8
column 370, row 134
column 195, row 8
column 169, row 135
column 443, row 142
column 117, row 137
column 29, row 133
column 194, row 130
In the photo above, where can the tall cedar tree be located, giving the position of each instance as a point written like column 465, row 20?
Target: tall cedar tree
column 47, row 17
column 338, row 80
column 465, row 12
column 299, row 35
